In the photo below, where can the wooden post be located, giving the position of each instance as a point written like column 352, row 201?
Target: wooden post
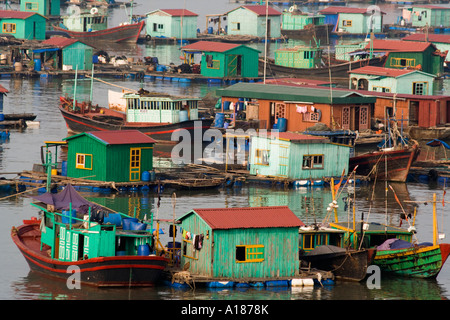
column 435, row 228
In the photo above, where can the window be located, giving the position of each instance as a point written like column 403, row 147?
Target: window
column 420, row 88
column 347, row 23
column 313, row 161
column 250, row 253
column 9, row 28
column 311, row 116
column 237, row 26
column 32, row 6
column 262, row 157
column 84, row 161
column 308, row 241
column 381, row 89
column 402, row 62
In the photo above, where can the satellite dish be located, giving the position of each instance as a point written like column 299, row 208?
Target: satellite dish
column 73, row 10
column 94, row 11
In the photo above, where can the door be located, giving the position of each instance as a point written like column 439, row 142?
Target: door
column 232, row 65
column 268, row 28
column 135, row 164
column 346, row 116
column 363, row 118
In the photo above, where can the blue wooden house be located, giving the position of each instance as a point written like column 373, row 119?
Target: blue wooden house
column 297, row 157
column 241, row 244
column 251, row 20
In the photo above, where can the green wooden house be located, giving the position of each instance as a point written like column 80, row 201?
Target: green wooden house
column 418, row 55
column 297, row 20
column 296, row 156
column 172, row 23
column 441, row 41
column 23, row 25
column 119, row 156
column 43, row 7
column 67, row 53
column 430, row 15
column 359, row 21
column 223, row 59
column 305, row 57
column 250, row 244
column 251, row 20
column 392, row 80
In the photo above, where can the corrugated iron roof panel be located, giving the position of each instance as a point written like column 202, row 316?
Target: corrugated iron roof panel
column 121, row 137
column 210, row 46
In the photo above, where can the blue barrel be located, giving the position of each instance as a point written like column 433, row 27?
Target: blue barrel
column 126, row 223
column 226, row 105
column 66, row 215
column 37, row 65
column 210, row 30
column 94, row 59
column 64, row 168
column 220, row 118
column 145, row 176
column 113, row 218
column 143, row 250
column 184, row 116
column 2, row 117
column 282, row 124
column 152, row 175
column 137, row 226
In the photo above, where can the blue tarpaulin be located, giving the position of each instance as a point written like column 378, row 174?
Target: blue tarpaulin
column 437, row 143
column 45, row 50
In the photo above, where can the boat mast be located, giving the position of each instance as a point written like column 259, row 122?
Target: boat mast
column 265, row 43
column 75, row 89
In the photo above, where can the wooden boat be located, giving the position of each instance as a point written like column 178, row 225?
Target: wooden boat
column 391, row 164
column 318, row 31
column 323, row 248
column 97, row 247
column 126, row 33
column 157, row 115
column 322, row 72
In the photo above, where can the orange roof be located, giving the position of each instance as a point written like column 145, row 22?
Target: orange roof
column 432, row 37
column 121, row 136
column 399, row 45
column 380, row 71
column 210, row 46
column 253, row 217
column 60, row 42
column 336, row 10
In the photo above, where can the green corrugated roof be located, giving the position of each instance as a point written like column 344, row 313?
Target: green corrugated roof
column 292, row 93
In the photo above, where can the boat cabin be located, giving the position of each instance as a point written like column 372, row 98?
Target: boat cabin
column 306, row 57
column 142, row 107
column 251, row 244
column 85, row 21
column 297, row 156
column 311, row 237
column 119, row 156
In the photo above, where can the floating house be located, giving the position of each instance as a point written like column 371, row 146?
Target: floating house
column 43, row 7
column 298, row 20
column 297, row 157
column 172, row 23
column 430, row 15
column 392, row 80
column 66, row 53
column 441, row 41
column 353, row 21
column 220, row 60
column 241, row 244
column 119, row 156
column 417, row 55
column 301, row 107
column 306, row 57
column 23, row 25
column 251, row 20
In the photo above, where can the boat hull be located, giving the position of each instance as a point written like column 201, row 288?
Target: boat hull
column 350, row 266
column 420, row 262
column 128, row 33
column 336, row 70
column 320, row 31
column 391, row 165
column 116, row 271
column 109, row 120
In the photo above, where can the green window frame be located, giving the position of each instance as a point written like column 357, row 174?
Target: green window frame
column 249, row 253
column 83, row 161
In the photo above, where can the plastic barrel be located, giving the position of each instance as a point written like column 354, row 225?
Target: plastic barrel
column 220, row 118
column 113, row 218
column 137, row 226
column 66, row 215
column 226, row 105
column 152, row 175
column 210, row 30
column 282, row 124
column 94, row 59
column 37, row 65
column 2, row 117
column 64, row 168
column 143, row 250
column 184, row 115
column 145, row 176
column 126, row 223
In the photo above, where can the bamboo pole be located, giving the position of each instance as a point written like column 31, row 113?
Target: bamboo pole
column 435, row 228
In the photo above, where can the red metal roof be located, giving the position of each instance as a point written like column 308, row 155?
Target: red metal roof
column 179, row 12
column 255, row 217
column 295, row 137
column 380, row 71
column 336, row 10
column 122, row 137
column 399, row 45
column 11, row 14
column 60, row 42
column 432, row 37
column 260, row 10
column 210, row 46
